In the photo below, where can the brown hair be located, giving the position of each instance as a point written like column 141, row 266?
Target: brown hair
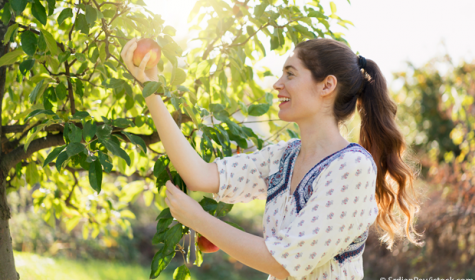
column 366, row 90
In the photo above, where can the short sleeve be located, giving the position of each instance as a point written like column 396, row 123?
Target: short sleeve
column 340, row 209
column 244, row 177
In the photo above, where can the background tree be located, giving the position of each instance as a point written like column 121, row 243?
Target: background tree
column 73, row 111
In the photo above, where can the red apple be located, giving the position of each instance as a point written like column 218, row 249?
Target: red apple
column 205, row 245
column 143, row 47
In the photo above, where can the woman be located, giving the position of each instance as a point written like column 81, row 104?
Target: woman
column 322, row 192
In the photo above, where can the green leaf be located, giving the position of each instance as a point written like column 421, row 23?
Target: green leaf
column 11, row 57
column 42, row 42
column 182, row 273
column 115, row 149
column 29, row 42
column 89, row 130
column 38, row 112
column 26, row 66
column 36, row 91
column 333, row 7
column 292, row 134
column 223, row 209
column 160, row 262
column 81, row 24
column 172, row 237
column 79, row 88
column 63, row 156
column 105, row 161
column 61, row 91
column 51, row 6
column 18, row 6
column 269, row 98
column 203, row 68
column 209, row 205
column 163, row 224
column 165, row 214
column 150, row 88
column 123, row 122
column 53, row 154
column 179, row 78
column 136, row 140
column 113, row 83
column 80, row 115
column 75, row 134
column 95, row 175
column 9, row 33
column 50, row 42
column 169, row 30
column 65, row 13
column 91, row 14
column 160, row 165
column 63, row 56
column 75, row 148
column 258, row 109
column 159, row 237
column 103, row 131
column 39, row 12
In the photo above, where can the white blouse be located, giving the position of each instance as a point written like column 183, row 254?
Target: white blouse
column 318, row 232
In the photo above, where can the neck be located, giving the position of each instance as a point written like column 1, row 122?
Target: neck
column 320, row 136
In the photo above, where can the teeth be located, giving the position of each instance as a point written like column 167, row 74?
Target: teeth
column 282, row 99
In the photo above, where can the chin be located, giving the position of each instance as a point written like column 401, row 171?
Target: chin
column 285, row 116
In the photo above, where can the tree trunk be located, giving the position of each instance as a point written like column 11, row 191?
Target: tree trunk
column 7, row 262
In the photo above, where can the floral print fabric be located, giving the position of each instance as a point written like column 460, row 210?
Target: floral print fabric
column 320, row 230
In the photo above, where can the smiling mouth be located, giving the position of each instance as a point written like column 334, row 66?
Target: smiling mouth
column 283, row 100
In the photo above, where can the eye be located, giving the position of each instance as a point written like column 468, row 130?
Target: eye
column 289, row 74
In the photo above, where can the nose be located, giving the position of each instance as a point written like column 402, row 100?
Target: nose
column 278, row 85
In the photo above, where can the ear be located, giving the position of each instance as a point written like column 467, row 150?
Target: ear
column 329, row 85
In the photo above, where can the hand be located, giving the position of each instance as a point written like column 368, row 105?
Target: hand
column 138, row 72
column 182, row 207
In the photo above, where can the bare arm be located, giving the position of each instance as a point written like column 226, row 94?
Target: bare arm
column 197, row 174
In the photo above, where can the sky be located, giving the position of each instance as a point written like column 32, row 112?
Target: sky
column 388, row 32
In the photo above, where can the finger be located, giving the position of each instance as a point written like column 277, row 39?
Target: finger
column 126, row 46
column 129, row 56
column 144, row 61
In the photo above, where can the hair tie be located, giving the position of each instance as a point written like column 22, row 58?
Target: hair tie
column 361, row 61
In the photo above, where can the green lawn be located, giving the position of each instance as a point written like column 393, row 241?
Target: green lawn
column 35, row 267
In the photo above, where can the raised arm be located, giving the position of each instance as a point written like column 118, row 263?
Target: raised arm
column 197, row 174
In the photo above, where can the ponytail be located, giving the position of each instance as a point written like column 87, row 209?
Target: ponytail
column 366, row 90
column 380, row 136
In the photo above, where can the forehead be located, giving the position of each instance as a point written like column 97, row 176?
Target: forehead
column 293, row 60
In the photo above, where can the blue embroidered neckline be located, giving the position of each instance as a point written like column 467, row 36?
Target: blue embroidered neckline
column 279, row 182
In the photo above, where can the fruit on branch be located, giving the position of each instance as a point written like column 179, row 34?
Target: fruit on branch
column 143, row 47
column 237, row 11
column 205, row 245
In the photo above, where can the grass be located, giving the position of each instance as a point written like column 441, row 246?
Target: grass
column 34, row 267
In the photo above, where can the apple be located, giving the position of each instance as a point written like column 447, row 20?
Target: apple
column 143, row 47
column 205, row 245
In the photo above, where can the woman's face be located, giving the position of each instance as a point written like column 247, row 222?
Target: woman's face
column 305, row 94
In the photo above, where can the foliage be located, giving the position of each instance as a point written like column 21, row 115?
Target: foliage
column 74, row 112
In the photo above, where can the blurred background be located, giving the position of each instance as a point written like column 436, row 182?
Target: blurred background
column 426, row 51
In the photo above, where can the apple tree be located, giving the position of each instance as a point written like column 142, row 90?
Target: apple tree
column 72, row 114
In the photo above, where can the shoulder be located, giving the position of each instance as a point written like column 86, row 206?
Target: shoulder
column 353, row 156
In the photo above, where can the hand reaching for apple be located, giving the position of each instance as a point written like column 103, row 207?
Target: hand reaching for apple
column 145, row 54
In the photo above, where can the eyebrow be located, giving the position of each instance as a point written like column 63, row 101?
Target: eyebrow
column 290, row 66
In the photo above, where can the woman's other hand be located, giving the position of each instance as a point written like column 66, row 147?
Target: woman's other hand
column 138, row 72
